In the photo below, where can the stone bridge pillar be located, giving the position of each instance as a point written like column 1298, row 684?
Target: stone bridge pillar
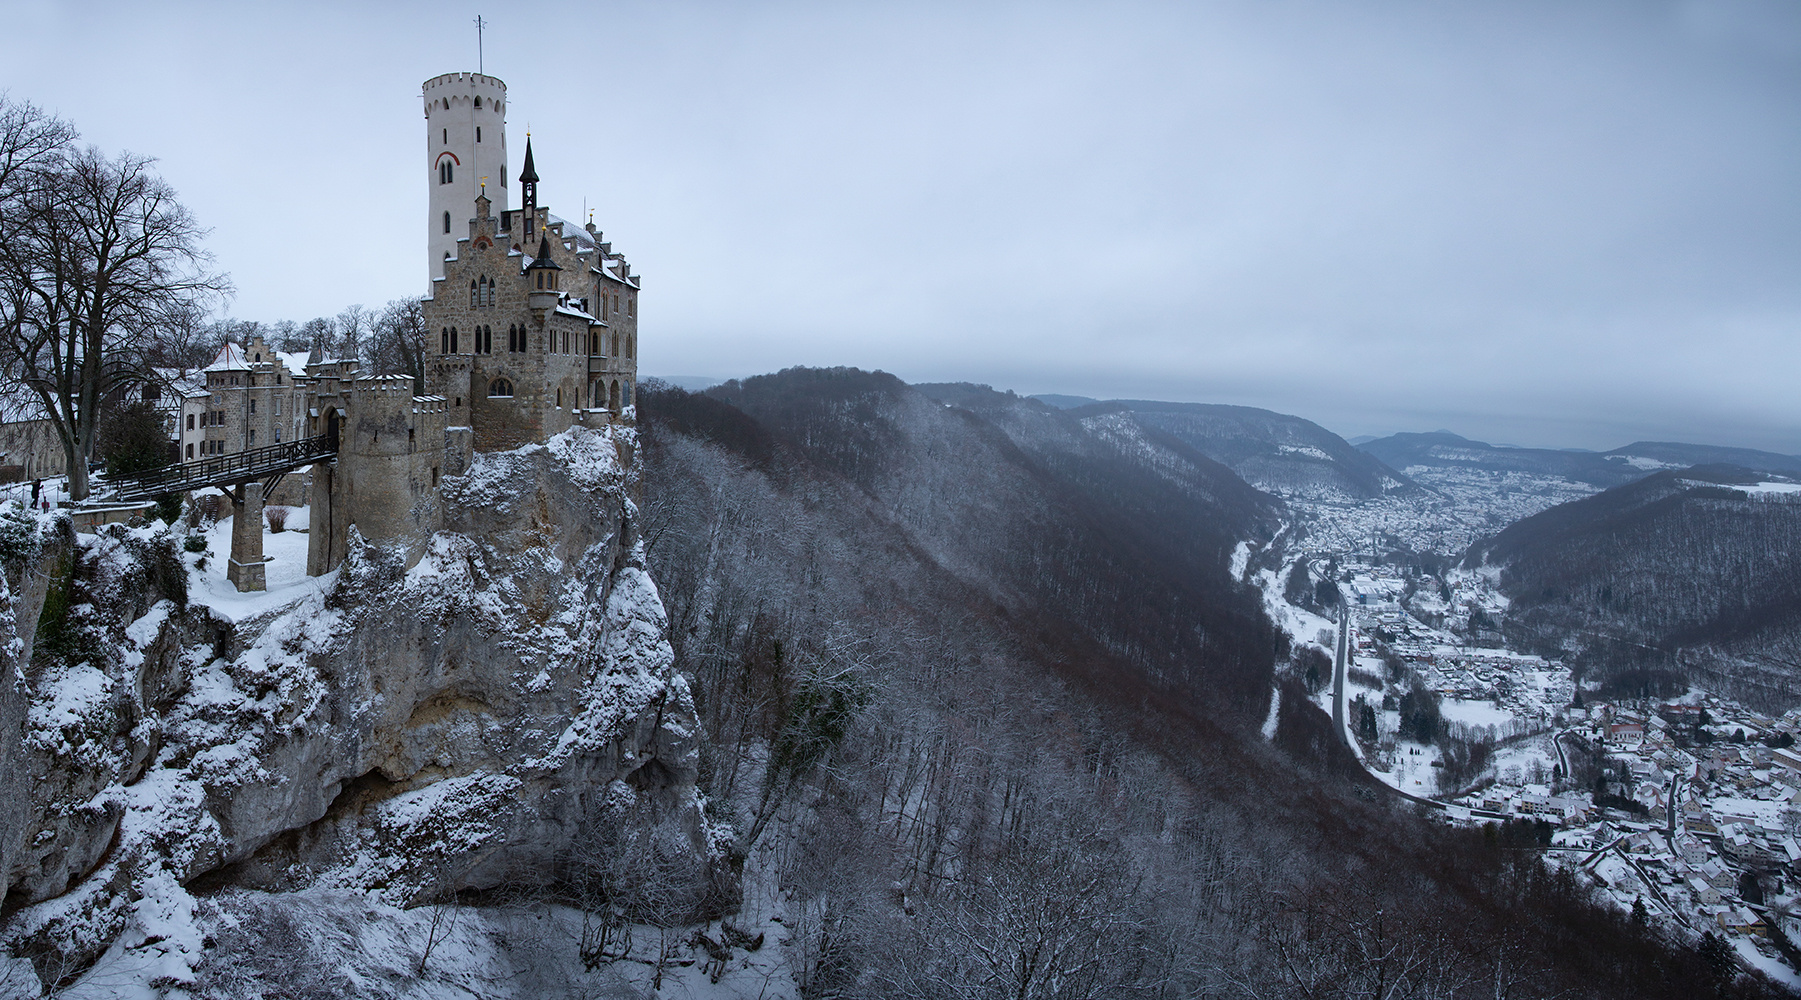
column 246, row 569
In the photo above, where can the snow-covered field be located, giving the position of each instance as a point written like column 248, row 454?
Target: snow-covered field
column 284, row 569
column 1474, row 713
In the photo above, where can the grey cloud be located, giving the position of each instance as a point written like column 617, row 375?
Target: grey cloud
column 1553, row 223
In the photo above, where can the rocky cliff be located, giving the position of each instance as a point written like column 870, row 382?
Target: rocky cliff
column 469, row 721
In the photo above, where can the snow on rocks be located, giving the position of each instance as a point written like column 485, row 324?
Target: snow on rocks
column 411, row 731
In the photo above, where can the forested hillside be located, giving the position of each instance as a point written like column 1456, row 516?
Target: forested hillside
column 983, row 695
column 1273, row 451
column 1680, row 575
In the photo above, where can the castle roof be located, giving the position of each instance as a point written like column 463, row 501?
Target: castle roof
column 230, row 359
column 294, row 360
column 530, row 174
column 541, row 260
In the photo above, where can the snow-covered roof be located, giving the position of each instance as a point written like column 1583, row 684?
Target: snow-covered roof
column 230, row 359
column 583, row 239
column 294, row 360
column 187, row 382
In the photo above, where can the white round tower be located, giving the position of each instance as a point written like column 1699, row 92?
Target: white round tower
column 465, row 141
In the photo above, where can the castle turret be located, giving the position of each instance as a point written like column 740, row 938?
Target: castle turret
column 465, row 143
column 542, row 279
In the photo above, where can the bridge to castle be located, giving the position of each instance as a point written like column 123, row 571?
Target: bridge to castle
column 258, row 464
column 248, row 478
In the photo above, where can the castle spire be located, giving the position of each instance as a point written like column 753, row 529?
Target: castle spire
column 542, row 260
column 528, row 189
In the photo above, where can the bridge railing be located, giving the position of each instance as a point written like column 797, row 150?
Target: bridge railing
column 241, row 467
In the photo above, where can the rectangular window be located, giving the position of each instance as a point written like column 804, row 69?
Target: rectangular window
column 278, row 406
column 253, row 406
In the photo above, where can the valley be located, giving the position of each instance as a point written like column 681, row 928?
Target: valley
column 1679, row 806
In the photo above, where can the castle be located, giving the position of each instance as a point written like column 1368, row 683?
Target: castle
column 531, row 328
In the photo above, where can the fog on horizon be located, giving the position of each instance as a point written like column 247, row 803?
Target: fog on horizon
column 1565, row 225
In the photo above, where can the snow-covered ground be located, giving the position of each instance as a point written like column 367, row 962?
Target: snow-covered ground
column 316, row 940
column 1474, row 713
column 284, row 569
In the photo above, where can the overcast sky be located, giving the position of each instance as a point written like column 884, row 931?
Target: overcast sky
column 1564, row 224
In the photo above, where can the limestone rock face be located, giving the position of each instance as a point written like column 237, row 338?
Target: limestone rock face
column 469, row 721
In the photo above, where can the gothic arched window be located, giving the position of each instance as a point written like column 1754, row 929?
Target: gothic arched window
column 474, row 299
column 500, row 387
column 444, row 341
column 447, row 222
column 453, row 341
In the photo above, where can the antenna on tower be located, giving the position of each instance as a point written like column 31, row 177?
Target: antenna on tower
column 480, row 63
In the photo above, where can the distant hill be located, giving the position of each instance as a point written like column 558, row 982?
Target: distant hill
column 1692, row 571
column 1443, row 449
column 1272, row 451
column 1653, row 455
column 1062, row 402
column 691, row 383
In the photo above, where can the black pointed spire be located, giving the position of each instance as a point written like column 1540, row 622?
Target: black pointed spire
column 530, row 174
column 542, row 260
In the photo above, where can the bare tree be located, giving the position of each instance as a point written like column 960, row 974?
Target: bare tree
column 285, row 335
column 316, row 335
column 98, row 259
column 353, row 327
column 31, row 142
column 399, row 340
